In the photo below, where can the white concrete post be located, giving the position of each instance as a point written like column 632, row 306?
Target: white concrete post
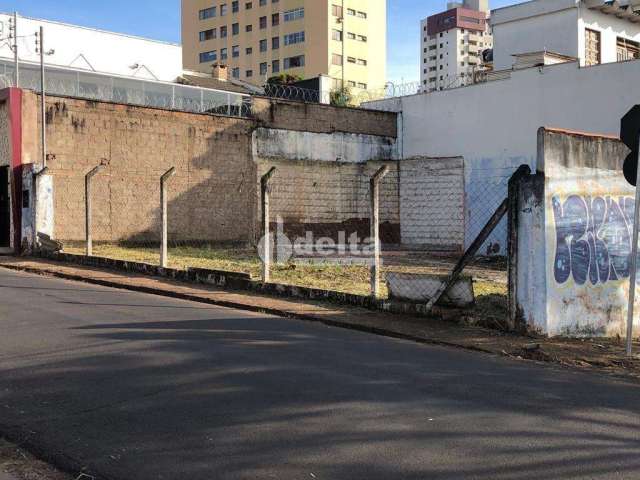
column 266, row 243
column 375, row 228
column 87, row 206
column 163, row 208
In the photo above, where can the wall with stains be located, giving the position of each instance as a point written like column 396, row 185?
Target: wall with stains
column 582, row 284
column 214, row 196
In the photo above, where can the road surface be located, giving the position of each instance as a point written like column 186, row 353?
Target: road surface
column 139, row 387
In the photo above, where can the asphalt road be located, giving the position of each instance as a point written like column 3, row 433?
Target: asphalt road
column 138, row 387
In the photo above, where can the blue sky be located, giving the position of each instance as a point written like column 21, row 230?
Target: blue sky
column 160, row 19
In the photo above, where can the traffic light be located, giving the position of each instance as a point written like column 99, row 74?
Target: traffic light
column 630, row 136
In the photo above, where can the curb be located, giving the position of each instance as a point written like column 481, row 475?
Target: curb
column 247, row 307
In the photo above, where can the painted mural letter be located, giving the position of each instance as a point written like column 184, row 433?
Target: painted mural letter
column 593, row 242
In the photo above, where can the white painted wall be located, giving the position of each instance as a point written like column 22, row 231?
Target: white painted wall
column 327, row 147
column 494, row 125
column 556, row 32
column 91, row 49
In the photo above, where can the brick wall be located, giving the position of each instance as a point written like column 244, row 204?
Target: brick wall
column 213, row 196
column 213, row 181
column 432, row 203
column 314, row 117
column 327, row 198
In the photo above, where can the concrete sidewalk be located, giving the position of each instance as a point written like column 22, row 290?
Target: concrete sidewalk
column 605, row 355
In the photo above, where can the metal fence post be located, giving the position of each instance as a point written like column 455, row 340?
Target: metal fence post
column 266, row 244
column 375, row 228
column 163, row 208
column 87, row 206
column 633, row 267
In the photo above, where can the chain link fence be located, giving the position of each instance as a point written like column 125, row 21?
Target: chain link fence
column 372, row 229
column 68, row 82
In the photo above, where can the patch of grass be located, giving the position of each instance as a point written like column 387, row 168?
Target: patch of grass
column 352, row 279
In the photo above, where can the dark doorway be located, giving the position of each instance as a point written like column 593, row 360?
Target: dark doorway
column 5, row 209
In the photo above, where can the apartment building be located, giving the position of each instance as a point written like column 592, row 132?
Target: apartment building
column 258, row 39
column 452, row 45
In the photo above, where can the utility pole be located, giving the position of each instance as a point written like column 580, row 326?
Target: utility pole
column 43, row 130
column 15, row 50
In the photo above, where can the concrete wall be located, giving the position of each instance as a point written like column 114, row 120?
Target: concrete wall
column 493, row 125
column 432, row 200
column 213, row 196
column 96, row 50
column 579, row 265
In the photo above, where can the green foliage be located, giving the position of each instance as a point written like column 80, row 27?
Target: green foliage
column 341, row 97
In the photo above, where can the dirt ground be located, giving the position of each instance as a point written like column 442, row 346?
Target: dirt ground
column 17, row 464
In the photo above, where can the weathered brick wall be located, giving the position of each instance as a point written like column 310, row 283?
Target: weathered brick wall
column 212, row 185
column 432, row 203
column 213, row 196
column 328, row 197
column 313, row 117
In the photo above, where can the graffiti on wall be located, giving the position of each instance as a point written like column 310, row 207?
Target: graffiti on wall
column 593, row 238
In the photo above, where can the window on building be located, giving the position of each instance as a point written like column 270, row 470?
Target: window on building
column 248, row 28
column 208, row 56
column 362, row 86
column 295, row 14
column 294, row 62
column 223, row 31
column 351, row 83
column 275, row 19
column 223, row 54
column 235, row 51
column 294, row 38
column 275, row 43
column 362, row 38
column 208, row 35
column 336, row 35
column 263, row 45
column 351, row 59
column 362, row 62
column 249, row 73
column 223, row 9
column 207, row 13
column 627, row 50
column 351, row 36
column 360, row 14
column 235, row 73
column 351, row 11
column 263, row 22
column 592, row 47
column 275, row 66
column 248, row 51
column 235, row 29
column 263, row 68
column 263, row 3
column 336, row 11
column 336, row 59
column 248, row 5
column 235, row 6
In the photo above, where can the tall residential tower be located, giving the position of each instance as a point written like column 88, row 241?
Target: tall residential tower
column 452, row 44
column 258, row 39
